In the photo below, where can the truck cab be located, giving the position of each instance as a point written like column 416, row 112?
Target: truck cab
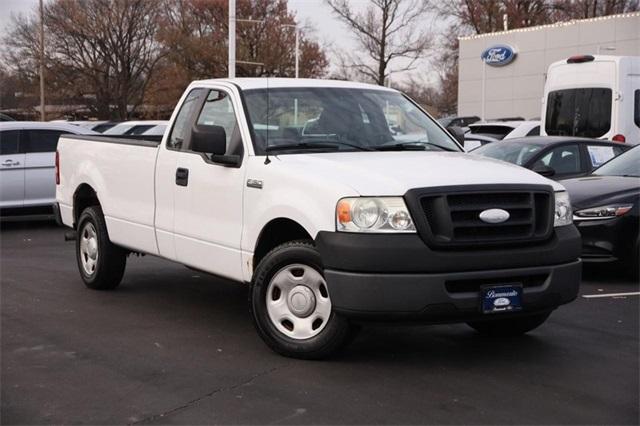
column 337, row 202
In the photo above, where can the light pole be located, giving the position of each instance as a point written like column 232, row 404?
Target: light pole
column 232, row 38
column 42, row 114
column 295, row 28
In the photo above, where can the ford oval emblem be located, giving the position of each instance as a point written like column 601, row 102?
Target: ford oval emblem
column 494, row 216
column 501, row 301
column 499, row 55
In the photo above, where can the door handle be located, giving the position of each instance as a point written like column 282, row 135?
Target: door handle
column 182, row 177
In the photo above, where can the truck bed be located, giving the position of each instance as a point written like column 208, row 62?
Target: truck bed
column 121, row 170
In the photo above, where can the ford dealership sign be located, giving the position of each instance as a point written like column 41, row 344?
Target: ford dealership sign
column 499, row 55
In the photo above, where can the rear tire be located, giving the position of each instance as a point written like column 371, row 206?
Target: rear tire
column 100, row 262
column 509, row 326
column 290, row 304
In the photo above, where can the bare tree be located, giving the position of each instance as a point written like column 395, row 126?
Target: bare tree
column 101, row 52
column 386, row 31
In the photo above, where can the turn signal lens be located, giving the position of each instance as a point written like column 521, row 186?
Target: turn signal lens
column 343, row 212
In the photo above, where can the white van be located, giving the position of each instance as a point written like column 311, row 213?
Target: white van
column 593, row 96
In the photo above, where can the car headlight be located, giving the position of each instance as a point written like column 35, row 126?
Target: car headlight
column 563, row 214
column 373, row 214
column 603, row 212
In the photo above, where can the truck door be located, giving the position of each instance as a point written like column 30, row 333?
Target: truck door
column 208, row 195
column 177, row 140
column 11, row 170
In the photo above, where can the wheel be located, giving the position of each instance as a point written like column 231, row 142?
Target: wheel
column 509, row 326
column 101, row 263
column 291, row 307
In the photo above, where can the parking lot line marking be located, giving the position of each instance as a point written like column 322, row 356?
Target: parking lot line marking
column 593, row 296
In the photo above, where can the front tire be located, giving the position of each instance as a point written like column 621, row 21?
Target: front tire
column 101, row 263
column 291, row 307
column 509, row 327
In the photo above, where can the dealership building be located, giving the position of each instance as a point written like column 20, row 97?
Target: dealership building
column 502, row 74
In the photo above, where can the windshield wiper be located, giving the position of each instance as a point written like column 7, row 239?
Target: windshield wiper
column 301, row 145
column 311, row 145
column 411, row 146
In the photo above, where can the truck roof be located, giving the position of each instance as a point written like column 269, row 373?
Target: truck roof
column 272, row 82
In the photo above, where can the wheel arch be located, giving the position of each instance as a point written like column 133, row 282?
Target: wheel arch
column 84, row 196
column 276, row 232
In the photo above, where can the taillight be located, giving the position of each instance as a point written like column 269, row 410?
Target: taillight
column 619, row 138
column 57, row 168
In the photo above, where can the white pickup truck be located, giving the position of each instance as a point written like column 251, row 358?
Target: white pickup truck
column 337, row 201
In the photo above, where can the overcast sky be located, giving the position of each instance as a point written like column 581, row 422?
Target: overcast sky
column 329, row 31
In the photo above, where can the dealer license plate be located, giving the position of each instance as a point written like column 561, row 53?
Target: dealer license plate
column 501, row 298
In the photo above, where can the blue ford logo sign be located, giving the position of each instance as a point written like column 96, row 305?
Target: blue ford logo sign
column 499, row 55
column 494, row 216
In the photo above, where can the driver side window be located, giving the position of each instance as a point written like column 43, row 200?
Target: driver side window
column 218, row 111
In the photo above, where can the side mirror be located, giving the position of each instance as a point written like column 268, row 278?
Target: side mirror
column 209, row 139
column 543, row 170
column 457, row 133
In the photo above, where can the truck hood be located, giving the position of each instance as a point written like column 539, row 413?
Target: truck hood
column 394, row 173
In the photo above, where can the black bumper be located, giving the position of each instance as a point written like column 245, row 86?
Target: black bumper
column 610, row 240
column 399, row 276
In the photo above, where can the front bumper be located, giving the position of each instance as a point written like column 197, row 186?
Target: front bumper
column 399, row 276
column 609, row 240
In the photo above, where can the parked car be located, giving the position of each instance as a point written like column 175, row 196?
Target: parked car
column 554, row 156
column 473, row 141
column 339, row 221
column 606, row 206
column 458, row 121
column 157, row 130
column 5, row 117
column 133, row 127
column 500, row 130
column 27, row 162
column 593, row 96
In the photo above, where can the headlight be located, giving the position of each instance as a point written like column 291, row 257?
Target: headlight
column 563, row 209
column 373, row 214
column 604, row 212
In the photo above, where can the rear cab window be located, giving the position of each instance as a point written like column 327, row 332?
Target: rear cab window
column 584, row 112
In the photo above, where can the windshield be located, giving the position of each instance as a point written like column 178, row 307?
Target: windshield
column 517, row 152
column 627, row 164
column 340, row 119
column 579, row 112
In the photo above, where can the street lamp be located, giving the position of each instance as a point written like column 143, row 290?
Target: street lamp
column 295, row 28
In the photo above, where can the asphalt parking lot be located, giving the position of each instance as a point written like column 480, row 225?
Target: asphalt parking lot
column 172, row 346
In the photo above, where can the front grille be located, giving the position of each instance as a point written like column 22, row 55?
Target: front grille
column 453, row 215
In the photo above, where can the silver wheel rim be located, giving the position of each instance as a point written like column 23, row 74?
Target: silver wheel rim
column 89, row 248
column 298, row 301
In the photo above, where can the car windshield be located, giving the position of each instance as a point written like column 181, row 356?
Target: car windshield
column 627, row 164
column 513, row 152
column 292, row 120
